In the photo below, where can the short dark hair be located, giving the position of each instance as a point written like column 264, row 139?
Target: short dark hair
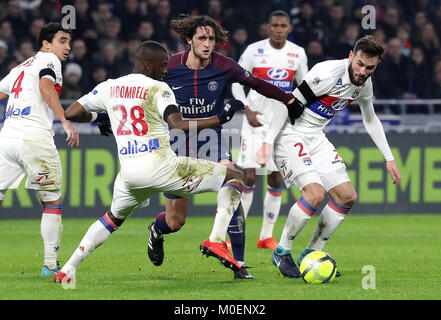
column 48, row 32
column 278, row 13
column 186, row 27
column 152, row 46
column 369, row 46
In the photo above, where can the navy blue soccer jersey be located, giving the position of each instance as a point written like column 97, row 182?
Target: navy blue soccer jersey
column 200, row 93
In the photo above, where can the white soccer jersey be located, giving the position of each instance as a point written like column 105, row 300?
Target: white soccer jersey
column 280, row 67
column 27, row 114
column 330, row 83
column 135, row 105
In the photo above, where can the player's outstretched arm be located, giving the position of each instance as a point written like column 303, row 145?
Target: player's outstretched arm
column 174, row 118
column 76, row 112
column 50, row 95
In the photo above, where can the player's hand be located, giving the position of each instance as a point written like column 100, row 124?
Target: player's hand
column 104, row 125
column 252, row 117
column 230, row 108
column 295, row 110
column 392, row 168
column 264, row 154
column 72, row 134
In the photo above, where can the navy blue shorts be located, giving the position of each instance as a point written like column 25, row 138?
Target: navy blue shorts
column 213, row 148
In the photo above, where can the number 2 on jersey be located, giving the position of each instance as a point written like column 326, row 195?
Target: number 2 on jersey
column 137, row 115
column 16, row 88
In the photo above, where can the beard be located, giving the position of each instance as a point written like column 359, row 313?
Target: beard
column 352, row 76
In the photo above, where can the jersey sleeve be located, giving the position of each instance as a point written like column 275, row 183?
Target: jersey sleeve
column 50, row 68
column 93, row 101
column 302, row 70
column 4, row 84
column 164, row 98
column 320, row 80
column 237, row 89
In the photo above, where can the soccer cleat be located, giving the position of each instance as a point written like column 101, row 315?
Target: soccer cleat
column 46, row 271
column 243, row 273
column 282, row 259
column 61, row 277
column 155, row 248
column 303, row 254
column 220, row 251
column 229, row 247
column 268, row 243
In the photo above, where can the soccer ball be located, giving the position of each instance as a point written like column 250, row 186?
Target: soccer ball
column 318, row 267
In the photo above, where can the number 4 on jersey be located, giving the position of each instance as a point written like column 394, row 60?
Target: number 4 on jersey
column 17, row 88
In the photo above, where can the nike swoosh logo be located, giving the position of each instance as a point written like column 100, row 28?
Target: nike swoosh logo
column 176, row 88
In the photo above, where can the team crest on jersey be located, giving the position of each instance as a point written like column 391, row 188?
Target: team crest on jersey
column 339, row 82
column 51, row 65
column 212, row 86
column 260, row 51
column 307, row 161
column 166, row 94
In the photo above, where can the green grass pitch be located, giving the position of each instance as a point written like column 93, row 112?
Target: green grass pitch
column 404, row 251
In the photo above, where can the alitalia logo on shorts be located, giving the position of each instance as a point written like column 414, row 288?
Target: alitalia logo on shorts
column 42, row 179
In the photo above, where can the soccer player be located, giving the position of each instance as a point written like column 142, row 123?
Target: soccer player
column 280, row 62
column 308, row 160
column 199, row 78
column 26, row 140
column 140, row 108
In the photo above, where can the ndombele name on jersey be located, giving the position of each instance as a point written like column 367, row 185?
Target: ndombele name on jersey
column 126, row 92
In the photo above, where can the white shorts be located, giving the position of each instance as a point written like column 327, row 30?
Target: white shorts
column 181, row 176
column 38, row 160
column 251, row 141
column 306, row 158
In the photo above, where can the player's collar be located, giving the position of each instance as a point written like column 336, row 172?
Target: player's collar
column 346, row 79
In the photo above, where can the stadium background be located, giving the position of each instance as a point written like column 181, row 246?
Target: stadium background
column 407, row 89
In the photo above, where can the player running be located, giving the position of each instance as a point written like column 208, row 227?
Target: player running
column 308, row 160
column 199, row 78
column 140, row 108
column 280, row 62
column 26, row 140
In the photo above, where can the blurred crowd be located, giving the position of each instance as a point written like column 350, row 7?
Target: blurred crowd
column 107, row 32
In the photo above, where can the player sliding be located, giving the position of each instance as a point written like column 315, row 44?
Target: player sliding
column 26, row 141
column 140, row 108
column 199, row 78
column 308, row 160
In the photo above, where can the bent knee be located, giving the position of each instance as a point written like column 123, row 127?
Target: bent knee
column 314, row 193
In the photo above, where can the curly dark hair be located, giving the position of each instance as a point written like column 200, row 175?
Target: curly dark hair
column 186, row 27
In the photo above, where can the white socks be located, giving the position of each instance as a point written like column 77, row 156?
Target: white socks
column 298, row 217
column 228, row 199
column 51, row 230
column 271, row 209
column 330, row 219
column 96, row 235
column 247, row 199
